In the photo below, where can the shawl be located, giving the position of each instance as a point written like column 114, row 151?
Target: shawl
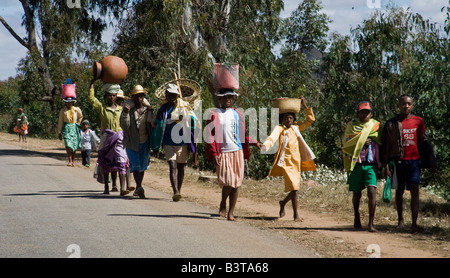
column 355, row 136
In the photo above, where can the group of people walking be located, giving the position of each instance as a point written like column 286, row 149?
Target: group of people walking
column 131, row 130
column 397, row 150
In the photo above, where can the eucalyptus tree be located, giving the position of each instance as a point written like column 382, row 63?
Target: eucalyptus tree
column 157, row 37
column 55, row 31
column 391, row 53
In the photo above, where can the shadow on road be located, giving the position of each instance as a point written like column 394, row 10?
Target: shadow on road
column 169, row 215
column 57, row 153
column 90, row 194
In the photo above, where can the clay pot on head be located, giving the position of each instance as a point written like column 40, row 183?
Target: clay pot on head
column 111, row 69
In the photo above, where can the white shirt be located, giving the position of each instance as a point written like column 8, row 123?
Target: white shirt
column 229, row 127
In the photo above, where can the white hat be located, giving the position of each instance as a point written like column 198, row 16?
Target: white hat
column 172, row 88
column 224, row 92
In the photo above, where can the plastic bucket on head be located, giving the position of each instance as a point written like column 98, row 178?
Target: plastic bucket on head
column 226, row 75
column 69, row 89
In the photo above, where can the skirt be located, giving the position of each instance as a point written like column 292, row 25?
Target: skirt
column 230, row 172
column 22, row 130
column 139, row 160
column 72, row 137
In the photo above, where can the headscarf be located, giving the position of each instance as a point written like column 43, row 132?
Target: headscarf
column 111, row 88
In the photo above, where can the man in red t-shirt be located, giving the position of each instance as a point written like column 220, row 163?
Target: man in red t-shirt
column 404, row 150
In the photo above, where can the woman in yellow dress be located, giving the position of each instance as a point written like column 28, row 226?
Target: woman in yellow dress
column 293, row 155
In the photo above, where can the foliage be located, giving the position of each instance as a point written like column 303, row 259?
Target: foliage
column 390, row 53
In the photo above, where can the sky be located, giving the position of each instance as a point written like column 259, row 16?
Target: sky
column 343, row 13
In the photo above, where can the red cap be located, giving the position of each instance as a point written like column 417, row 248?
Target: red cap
column 364, row 106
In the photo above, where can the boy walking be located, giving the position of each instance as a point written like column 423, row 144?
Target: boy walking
column 361, row 160
column 89, row 141
column 402, row 136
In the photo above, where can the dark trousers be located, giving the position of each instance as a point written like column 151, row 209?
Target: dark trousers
column 85, row 157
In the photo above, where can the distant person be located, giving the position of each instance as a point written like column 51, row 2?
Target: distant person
column 402, row 139
column 228, row 146
column 362, row 160
column 288, row 159
column 89, row 142
column 69, row 121
column 21, row 127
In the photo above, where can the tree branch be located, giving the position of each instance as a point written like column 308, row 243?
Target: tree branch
column 14, row 34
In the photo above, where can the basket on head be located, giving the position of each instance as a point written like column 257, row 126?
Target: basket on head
column 287, row 105
column 190, row 90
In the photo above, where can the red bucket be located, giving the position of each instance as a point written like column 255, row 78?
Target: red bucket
column 226, row 76
column 68, row 89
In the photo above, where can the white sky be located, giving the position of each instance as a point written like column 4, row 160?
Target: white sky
column 343, row 13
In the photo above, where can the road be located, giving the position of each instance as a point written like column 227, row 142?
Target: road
column 49, row 210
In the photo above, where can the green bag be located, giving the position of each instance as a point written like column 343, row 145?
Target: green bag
column 387, row 190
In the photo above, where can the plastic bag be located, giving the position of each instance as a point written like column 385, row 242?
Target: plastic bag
column 387, row 191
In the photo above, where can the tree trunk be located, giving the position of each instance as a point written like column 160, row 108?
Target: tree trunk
column 31, row 45
column 215, row 46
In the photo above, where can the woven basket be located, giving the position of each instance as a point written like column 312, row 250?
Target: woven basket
column 287, row 105
column 190, row 90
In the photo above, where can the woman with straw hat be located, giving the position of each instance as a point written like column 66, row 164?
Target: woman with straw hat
column 136, row 121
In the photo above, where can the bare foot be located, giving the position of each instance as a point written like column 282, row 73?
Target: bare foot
column 416, row 229
column 231, row 217
column 372, row 229
column 298, row 219
column 223, row 211
column 282, row 213
column 400, row 225
column 357, row 223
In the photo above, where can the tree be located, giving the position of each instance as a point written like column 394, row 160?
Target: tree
column 307, row 27
column 389, row 54
column 60, row 29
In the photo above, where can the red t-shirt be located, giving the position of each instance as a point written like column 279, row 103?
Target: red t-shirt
column 412, row 129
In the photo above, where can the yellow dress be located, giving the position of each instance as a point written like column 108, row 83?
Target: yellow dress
column 290, row 165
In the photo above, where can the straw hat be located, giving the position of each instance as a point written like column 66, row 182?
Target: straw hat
column 121, row 95
column 138, row 89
